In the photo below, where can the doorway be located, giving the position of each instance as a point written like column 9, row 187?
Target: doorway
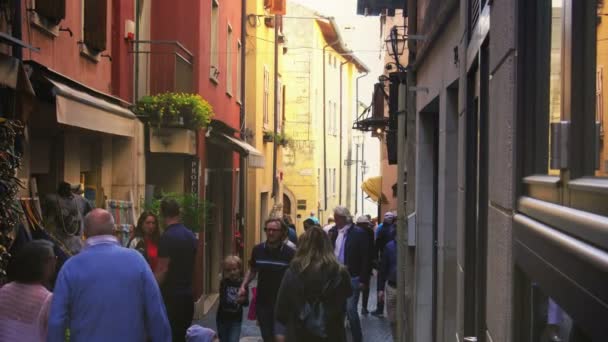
column 476, row 198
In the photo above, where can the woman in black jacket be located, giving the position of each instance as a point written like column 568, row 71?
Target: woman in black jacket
column 312, row 299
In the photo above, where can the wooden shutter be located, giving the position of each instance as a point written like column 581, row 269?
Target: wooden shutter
column 52, row 10
column 95, row 23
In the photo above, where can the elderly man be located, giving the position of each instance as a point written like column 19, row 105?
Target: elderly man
column 107, row 292
column 351, row 247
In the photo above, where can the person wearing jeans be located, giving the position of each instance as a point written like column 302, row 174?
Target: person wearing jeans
column 351, row 247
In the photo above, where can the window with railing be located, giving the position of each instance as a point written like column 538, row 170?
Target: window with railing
column 214, row 69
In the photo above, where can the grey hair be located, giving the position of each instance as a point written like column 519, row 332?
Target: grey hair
column 98, row 222
column 343, row 211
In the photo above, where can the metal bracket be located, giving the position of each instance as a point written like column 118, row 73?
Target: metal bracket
column 559, row 144
column 417, row 89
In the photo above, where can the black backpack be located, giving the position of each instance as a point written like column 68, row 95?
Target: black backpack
column 313, row 314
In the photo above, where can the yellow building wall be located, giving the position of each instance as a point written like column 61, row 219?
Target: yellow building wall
column 304, row 162
column 259, row 57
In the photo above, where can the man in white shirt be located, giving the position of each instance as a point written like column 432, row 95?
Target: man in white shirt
column 330, row 225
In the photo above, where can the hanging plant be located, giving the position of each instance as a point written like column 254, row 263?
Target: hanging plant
column 175, row 110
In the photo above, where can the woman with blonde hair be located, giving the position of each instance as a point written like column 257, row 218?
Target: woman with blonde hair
column 312, row 299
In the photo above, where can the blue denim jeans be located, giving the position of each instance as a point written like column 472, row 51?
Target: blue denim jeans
column 229, row 331
column 352, row 313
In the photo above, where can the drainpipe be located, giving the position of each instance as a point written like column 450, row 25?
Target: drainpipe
column 275, row 183
column 136, row 55
column 242, row 160
column 341, row 88
column 16, row 29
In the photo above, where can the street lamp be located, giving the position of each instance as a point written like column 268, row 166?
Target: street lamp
column 395, row 44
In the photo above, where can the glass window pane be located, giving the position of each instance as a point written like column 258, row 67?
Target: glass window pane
column 601, row 92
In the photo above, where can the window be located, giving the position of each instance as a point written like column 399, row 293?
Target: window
column 52, row 11
column 239, row 70
column 330, row 121
column 214, row 71
column 265, row 101
column 280, row 107
column 334, row 182
column 301, row 204
column 94, row 25
column 336, row 119
column 229, row 79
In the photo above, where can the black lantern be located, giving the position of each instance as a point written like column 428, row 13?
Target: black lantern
column 395, row 44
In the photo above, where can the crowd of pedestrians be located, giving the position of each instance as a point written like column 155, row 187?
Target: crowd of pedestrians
column 307, row 288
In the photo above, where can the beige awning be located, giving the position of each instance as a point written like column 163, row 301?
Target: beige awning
column 255, row 158
column 13, row 75
column 79, row 109
column 373, row 188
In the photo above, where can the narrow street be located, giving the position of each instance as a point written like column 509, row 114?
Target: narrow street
column 375, row 329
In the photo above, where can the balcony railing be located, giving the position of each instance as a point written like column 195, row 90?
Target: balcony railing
column 166, row 67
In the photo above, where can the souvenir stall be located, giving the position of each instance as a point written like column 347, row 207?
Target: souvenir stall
column 124, row 219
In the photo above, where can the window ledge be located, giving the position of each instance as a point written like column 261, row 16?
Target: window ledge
column 88, row 53
column 214, row 80
column 547, row 180
column 41, row 24
column 229, row 94
column 592, row 184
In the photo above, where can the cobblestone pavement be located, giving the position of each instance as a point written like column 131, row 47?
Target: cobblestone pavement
column 375, row 329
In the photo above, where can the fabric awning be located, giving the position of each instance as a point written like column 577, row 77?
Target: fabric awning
column 13, row 75
column 255, row 158
column 79, row 109
column 373, row 188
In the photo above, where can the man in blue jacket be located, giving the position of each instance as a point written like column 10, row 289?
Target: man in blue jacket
column 107, row 292
column 351, row 247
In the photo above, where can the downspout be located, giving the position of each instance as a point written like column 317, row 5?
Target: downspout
column 242, row 160
column 136, row 55
column 357, row 116
column 16, row 29
column 340, row 177
column 275, row 183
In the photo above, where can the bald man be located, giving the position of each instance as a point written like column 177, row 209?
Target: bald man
column 107, row 292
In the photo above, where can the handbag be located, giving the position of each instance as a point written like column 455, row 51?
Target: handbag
column 251, row 314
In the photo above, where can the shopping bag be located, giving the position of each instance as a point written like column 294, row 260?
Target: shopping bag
column 254, row 296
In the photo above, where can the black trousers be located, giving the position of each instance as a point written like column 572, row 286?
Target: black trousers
column 365, row 297
column 180, row 310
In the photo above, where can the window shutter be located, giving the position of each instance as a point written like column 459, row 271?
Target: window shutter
column 278, row 7
column 53, row 10
column 95, row 21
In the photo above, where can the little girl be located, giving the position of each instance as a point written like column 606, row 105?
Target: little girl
column 230, row 311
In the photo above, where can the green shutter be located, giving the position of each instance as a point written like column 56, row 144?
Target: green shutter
column 95, row 24
column 52, row 10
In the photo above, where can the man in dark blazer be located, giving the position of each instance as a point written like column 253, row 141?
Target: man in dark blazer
column 351, row 247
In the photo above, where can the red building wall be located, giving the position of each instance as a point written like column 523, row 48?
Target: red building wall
column 62, row 53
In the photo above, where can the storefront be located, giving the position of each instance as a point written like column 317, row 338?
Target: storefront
column 81, row 136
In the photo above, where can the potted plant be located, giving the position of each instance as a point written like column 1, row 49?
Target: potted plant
column 282, row 139
column 268, row 136
column 189, row 111
column 194, row 211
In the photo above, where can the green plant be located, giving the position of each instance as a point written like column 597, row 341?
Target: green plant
column 180, row 109
column 278, row 138
column 282, row 139
column 195, row 211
